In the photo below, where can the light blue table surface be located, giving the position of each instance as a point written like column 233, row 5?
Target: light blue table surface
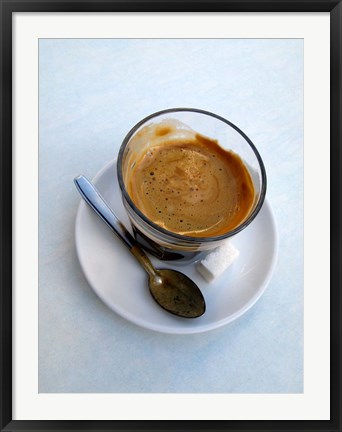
column 91, row 93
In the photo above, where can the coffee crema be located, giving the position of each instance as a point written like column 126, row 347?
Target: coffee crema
column 190, row 185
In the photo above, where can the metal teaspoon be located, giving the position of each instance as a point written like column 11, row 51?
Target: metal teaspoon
column 172, row 290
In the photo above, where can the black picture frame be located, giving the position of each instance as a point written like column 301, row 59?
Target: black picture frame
column 8, row 7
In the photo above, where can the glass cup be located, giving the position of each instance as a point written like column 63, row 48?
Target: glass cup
column 160, row 242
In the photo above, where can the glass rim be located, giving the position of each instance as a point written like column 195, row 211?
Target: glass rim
column 177, row 236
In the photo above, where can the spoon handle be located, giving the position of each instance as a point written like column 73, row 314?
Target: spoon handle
column 92, row 197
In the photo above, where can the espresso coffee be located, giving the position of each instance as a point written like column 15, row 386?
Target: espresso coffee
column 190, row 185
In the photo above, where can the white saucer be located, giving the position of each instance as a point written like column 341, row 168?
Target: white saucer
column 121, row 283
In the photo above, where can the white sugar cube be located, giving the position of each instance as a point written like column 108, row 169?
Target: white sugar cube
column 217, row 261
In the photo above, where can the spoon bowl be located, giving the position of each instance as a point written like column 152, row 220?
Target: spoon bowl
column 177, row 293
column 172, row 290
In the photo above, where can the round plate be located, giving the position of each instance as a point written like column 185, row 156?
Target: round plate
column 122, row 284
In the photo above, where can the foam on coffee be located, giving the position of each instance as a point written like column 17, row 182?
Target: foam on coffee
column 188, row 184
